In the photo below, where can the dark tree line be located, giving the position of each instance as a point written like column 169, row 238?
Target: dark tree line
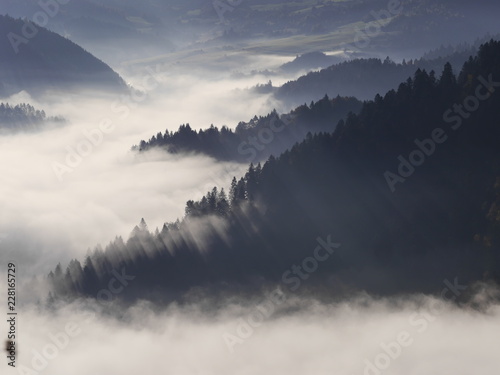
column 258, row 138
column 362, row 78
column 471, row 49
column 22, row 116
column 441, row 222
column 20, row 113
column 309, row 61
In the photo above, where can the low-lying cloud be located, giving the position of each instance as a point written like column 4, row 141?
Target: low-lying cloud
column 70, row 187
column 305, row 337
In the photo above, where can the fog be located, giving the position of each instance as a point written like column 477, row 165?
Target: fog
column 300, row 336
column 75, row 185
column 70, row 187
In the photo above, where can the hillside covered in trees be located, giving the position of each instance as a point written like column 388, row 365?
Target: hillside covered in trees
column 309, row 61
column 399, row 196
column 22, row 117
column 259, row 138
column 362, row 78
column 45, row 60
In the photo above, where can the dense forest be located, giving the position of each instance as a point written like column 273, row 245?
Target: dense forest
column 309, row 61
column 404, row 219
column 362, row 78
column 259, row 138
column 22, row 117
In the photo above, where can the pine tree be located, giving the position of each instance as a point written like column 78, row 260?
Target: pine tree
column 212, row 200
column 222, row 203
column 232, row 192
column 251, row 182
column 447, row 84
column 143, row 226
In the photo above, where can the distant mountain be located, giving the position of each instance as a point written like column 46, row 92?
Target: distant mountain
column 35, row 59
column 425, row 23
column 136, row 30
column 310, row 61
column 417, row 25
column 116, row 30
column 352, row 74
column 452, row 51
column 362, row 78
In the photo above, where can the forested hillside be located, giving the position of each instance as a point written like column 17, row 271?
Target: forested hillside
column 23, row 116
column 38, row 59
column 362, row 78
column 259, row 138
column 400, row 195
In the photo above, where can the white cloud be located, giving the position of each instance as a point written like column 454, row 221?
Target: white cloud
column 109, row 190
column 317, row 338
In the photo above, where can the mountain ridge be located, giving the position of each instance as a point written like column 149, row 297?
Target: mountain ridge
column 39, row 59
